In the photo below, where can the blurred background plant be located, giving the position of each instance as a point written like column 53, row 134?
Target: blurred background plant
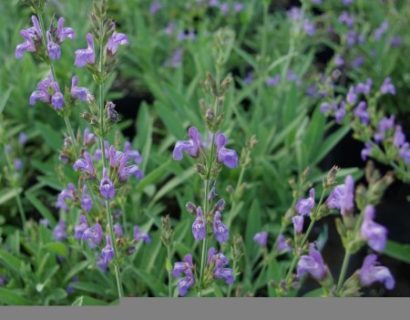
column 284, row 57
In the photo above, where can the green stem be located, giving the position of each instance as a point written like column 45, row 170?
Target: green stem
column 169, row 254
column 205, row 241
column 21, row 211
column 343, row 271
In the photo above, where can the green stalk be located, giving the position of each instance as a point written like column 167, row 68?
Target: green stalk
column 343, row 271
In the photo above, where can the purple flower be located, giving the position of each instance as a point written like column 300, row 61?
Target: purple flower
column 372, row 272
column 80, row 227
column 313, row 264
column 155, row 7
column 294, row 14
column 218, row 262
column 282, row 245
column 404, row 153
column 49, row 92
column 64, row 32
column 221, row 231
column 326, row 107
column 238, row 7
column 261, row 238
column 342, row 197
column 93, row 235
column 185, row 268
column 309, row 28
column 396, row 41
column 116, row 40
column 107, row 189
column 248, row 78
column 367, row 151
column 18, row 164
column 399, row 139
column 361, row 112
column 141, row 236
column 304, row 206
column 224, row 7
column 351, row 38
column 339, row 61
column 22, row 138
column 385, row 124
column 32, row 38
column 80, row 93
column 175, row 60
column 226, row 156
column 273, row 81
column 86, row 201
column 340, row 112
column 107, row 253
column 191, row 146
column 85, row 165
column 364, row 88
column 351, row 97
column 67, row 193
column 132, row 154
column 198, row 226
column 88, row 137
column 53, row 49
column 118, row 230
column 346, row 19
column 387, row 87
column 357, row 62
column 87, row 55
column 59, row 232
column 372, row 232
column 380, row 31
column 213, row 3
column 298, row 223
column 347, row 2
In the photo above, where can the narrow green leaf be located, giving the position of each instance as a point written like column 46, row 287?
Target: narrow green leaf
column 398, row 251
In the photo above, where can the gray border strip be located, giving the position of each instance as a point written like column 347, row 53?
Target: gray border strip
column 224, row 309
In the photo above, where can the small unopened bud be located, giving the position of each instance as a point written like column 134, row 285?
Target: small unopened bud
column 166, row 230
column 331, row 177
column 220, row 205
column 112, row 114
column 190, row 207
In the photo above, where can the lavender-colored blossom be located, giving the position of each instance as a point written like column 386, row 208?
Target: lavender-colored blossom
column 93, row 235
column 282, row 245
column 185, row 268
column 198, row 226
column 117, row 39
column 132, row 154
column 347, row 2
column 62, row 32
column 87, row 55
column 80, row 227
column 313, row 264
column 155, row 7
column 385, row 124
column 372, row 232
column 53, row 48
column 372, row 272
column 59, row 232
column 221, row 231
column 361, row 112
column 175, row 60
column 380, row 31
column 224, row 8
column 298, row 223
column 213, row 3
column 107, row 253
column 107, row 189
column 141, row 236
column 226, row 156
column 191, row 146
column 294, row 14
column 396, row 41
column 351, row 38
column 357, row 62
column 326, row 107
column 304, row 206
column 86, row 201
column 404, row 152
column 48, row 91
column 387, row 87
column 366, row 151
column 249, row 78
column 18, row 164
column 342, row 197
column 219, row 263
column 238, row 7
column 22, row 138
column 170, row 28
column 346, row 19
column 339, row 61
column 85, row 165
column 351, row 97
column 261, row 238
column 340, row 112
column 293, row 77
column 273, row 81
column 399, row 138
column 80, row 93
column 65, row 194
column 88, row 137
column 118, row 230
column 32, row 37
column 364, row 88
column 309, row 28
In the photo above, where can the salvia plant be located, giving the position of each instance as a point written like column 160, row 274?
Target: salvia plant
column 202, row 149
